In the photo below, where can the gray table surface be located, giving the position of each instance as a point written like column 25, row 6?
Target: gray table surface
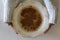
column 7, row 33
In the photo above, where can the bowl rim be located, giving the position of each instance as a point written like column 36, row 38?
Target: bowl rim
column 44, row 14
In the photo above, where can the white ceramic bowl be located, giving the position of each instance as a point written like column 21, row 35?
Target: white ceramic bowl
column 45, row 22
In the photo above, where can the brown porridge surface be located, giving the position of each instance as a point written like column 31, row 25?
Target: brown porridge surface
column 30, row 19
